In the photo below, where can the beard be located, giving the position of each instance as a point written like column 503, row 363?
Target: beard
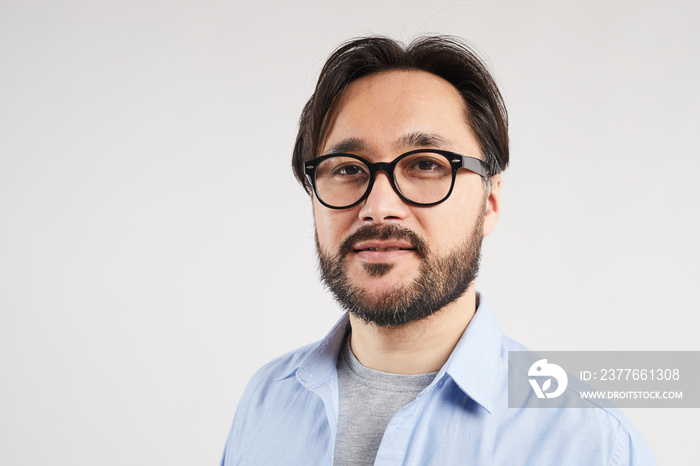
column 440, row 281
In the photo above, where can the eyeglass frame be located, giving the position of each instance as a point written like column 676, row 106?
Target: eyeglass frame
column 456, row 160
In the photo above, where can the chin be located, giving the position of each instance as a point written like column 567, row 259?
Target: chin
column 381, row 279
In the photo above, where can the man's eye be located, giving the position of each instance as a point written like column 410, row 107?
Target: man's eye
column 427, row 165
column 425, row 168
column 348, row 170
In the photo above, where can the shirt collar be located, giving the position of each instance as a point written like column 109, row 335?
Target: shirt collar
column 473, row 364
column 320, row 364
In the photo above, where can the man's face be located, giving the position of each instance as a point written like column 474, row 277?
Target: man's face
column 387, row 261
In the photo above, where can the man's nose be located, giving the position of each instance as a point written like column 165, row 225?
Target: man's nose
column 382, row 204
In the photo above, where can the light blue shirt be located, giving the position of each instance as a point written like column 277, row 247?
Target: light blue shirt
column 289, row 412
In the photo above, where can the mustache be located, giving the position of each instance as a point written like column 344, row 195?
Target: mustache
column 386, row 232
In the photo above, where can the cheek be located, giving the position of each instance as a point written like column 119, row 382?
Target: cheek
column 447, row 225
column 443, row 231
column 332, row 227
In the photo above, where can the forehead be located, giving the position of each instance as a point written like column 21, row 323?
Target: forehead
column 386, row 108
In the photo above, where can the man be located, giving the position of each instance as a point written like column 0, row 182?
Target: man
column 401, row 150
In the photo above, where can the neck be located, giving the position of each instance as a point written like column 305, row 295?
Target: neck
column 415, row 348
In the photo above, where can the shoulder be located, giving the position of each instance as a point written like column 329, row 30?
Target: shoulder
column 286, row 377
column 278, row 412
column 589, row 428
column 268, row 389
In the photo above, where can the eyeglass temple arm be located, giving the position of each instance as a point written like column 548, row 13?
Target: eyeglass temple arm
column 476, row 165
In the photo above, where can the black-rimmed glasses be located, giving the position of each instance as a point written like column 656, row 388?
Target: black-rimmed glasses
column 423, row 177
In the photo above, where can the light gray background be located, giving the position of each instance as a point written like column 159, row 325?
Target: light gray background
column 155, row 249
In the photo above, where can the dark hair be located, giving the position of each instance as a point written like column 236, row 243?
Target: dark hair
column 444, row 56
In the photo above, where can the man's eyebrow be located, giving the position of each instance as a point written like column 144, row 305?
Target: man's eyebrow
column 350, row 145
column 415, row 139
column 418, row 139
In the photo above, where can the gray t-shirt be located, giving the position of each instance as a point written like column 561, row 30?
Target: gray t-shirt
column 368, row 399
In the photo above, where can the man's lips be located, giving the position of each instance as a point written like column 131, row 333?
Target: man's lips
column 382, row 246
column 382, row 251
column 387, row 239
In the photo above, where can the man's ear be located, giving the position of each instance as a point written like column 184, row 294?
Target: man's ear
column 492, row 209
